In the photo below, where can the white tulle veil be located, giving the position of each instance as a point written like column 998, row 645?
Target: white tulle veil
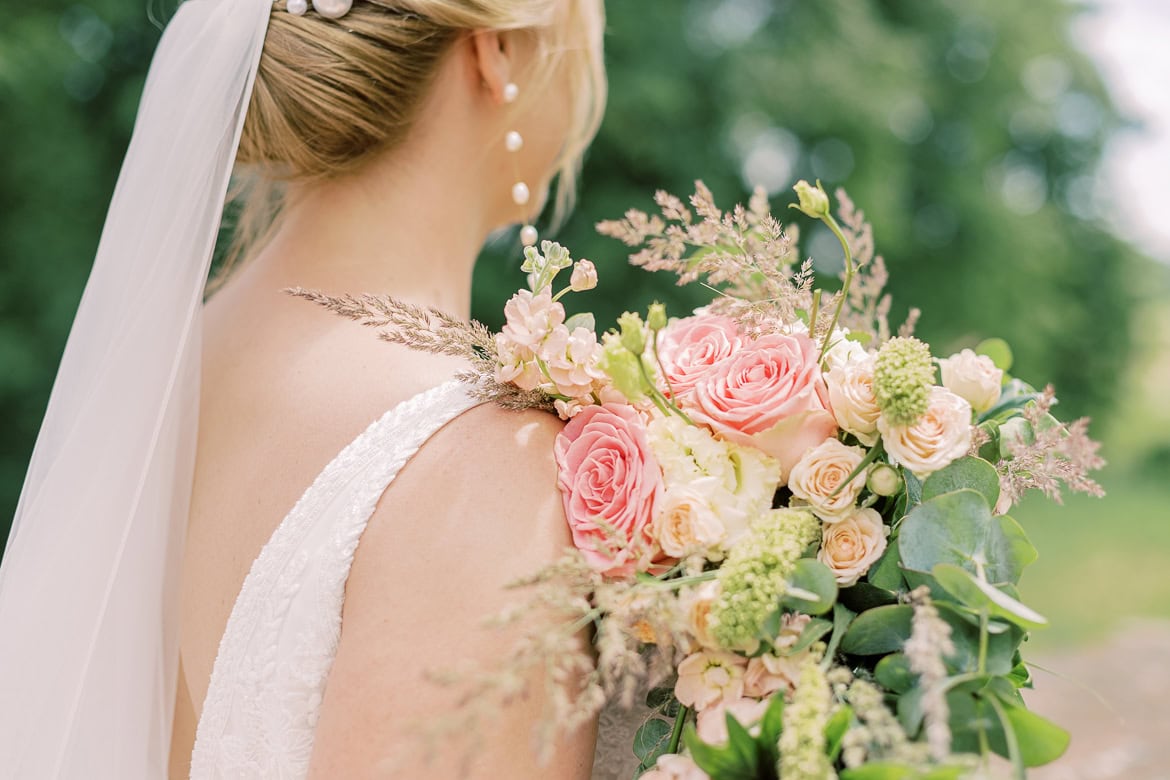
column 88, row 585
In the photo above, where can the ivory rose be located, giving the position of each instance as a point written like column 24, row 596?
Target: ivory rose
column 820, row 479
column 851, row 546
column 690, row 346
column 973, row 378
column 941, row 435
column 853, row 401
column 709, row 676
column 607, row 472
column 768, row 395
column 687, row 522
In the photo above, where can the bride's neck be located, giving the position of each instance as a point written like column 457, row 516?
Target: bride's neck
column 408, row 225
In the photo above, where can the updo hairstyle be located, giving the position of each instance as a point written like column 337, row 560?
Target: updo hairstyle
column 331, row 94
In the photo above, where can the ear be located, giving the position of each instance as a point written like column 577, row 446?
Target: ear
column 492, row 56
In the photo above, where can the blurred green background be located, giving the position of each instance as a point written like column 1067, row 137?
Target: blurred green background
column 970, row 132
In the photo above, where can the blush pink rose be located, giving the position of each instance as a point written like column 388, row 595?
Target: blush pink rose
column 608, row 471
column 770, row 395
column 689, row 347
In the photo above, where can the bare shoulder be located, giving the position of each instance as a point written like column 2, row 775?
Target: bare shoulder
column 476, row 508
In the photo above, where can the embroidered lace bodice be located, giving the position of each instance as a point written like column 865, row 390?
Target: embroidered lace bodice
column 267, row 684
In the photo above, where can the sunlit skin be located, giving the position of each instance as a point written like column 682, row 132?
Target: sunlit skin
column 287, row 385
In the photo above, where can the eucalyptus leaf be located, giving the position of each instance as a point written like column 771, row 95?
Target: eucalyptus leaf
column 885, row 574
column 863, row 596
column 968, row 472
column 810, row 577
column 999, row 352
column 973, row 592
column 1001, row 647
column 581, row 320
column 651, row 740
column 893, row 672
column 878, row 631
column 958, row 528
column 1040, row 740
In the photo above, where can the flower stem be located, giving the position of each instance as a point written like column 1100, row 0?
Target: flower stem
column 676, row 734
column 846, row 284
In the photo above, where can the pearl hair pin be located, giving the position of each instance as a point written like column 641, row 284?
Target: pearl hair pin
column 330, row 9
column 514, row 142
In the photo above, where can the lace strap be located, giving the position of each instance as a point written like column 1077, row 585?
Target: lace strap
column 294, row 591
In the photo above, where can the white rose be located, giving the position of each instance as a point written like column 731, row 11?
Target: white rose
column 851, row 546
column 972, row 377
column 686, row 522
column 844, row 351
column 819, row 478
column 851, row 396
column 942, row 434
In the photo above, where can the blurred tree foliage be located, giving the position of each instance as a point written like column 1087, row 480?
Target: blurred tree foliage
column 968, row 130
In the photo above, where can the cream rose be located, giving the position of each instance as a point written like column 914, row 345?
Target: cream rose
column 819, row 478
column 697, row 605
column 972, row 377
column 851, row 396
column 687, row 522
column 942, row 434
column 852, row 545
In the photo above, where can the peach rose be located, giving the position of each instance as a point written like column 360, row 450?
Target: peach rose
column 690, row 346
column 941, row 435
column 851, row 395
column 608, row 473
column 851, row 546
column 819, row 478
column 769, row 395
column 973, row 378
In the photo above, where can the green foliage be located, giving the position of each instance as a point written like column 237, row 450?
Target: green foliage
column 920, row 111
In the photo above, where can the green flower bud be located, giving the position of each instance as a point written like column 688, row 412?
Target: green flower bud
column 902, row 377
column 633, row 332
column 884, row 480
column 622, row 368
column 814, row 201
column 656, row 317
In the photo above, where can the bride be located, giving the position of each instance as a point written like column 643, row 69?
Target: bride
column 233, row 555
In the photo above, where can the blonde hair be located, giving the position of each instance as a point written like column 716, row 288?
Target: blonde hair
column 330, row 95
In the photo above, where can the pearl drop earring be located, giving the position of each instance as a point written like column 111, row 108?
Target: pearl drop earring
column 514, row 142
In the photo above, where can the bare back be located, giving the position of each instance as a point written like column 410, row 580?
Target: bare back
column 284, row 388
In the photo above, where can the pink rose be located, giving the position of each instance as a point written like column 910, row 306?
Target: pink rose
column 770, row 395
column 689, row 347
column 608, row 472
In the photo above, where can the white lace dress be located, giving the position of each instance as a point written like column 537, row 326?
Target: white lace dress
column 265, row 692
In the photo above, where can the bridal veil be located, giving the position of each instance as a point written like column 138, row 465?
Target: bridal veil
column 88, row 584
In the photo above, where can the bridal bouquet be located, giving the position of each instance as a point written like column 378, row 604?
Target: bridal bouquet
column 791, row 525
